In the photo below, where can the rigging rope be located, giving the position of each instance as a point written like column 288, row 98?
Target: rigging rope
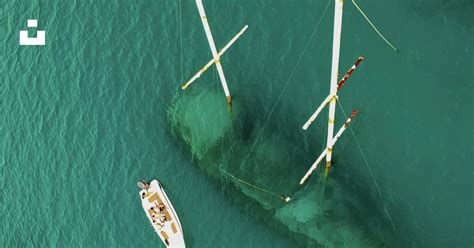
column 323, row 147
column 283, row 197
column 286, row 83
column 360, row 150
column 368, row 166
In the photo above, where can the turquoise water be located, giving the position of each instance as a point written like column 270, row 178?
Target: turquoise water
column 83, row 118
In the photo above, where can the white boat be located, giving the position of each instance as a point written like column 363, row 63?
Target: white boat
column 161, row 214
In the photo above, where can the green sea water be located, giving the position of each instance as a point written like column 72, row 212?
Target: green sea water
column 84, row 117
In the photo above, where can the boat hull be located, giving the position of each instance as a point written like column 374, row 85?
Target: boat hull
column 165, row 221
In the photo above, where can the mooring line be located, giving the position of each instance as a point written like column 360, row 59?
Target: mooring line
column 373, row 26
column 282, row 197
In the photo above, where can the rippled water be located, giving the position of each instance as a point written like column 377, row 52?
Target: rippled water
column 84, row 117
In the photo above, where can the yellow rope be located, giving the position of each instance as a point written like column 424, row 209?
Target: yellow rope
column 373, row 26
column 282, row 197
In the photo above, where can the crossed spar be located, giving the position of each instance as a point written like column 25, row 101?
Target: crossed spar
column 216, row 55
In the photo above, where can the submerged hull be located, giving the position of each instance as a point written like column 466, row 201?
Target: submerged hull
column 223, row 144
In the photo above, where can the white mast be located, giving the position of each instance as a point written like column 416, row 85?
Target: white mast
column 214, row 50
column 318, row 111
column 334, row 71
column 334, row 87
column 212, row 61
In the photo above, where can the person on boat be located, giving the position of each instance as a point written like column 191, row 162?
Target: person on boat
column 159, row 221
column 162, row 214
column 162, row 217
column 161, row 207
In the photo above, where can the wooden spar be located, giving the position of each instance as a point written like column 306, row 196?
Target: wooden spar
column 334, row 71
column 333, row 141
column 214, row 51
column 212, row 61
column 330, row 97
